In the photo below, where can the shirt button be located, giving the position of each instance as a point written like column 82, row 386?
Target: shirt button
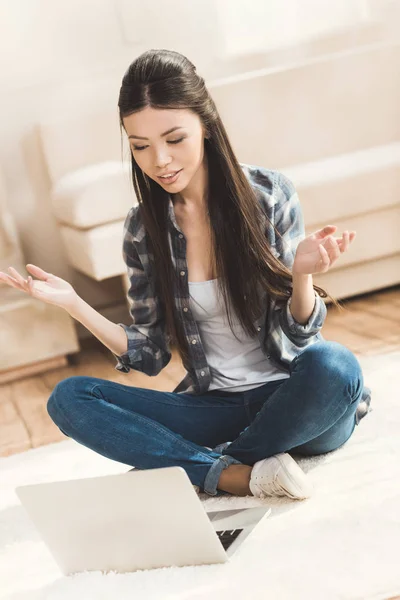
column 180, row 235
column 182, row 272
column 202, row 373
column 268, row 356
column 259, row 328
column 194, row 341
column 185, row 309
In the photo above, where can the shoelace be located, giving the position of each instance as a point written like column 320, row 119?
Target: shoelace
column 276, row 489
column 273, row 483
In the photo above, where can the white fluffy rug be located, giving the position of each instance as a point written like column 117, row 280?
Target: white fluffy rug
column 343, row 543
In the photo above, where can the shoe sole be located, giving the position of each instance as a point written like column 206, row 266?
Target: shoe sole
column 293, row 473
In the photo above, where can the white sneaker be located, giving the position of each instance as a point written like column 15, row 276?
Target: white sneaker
column 279, row 475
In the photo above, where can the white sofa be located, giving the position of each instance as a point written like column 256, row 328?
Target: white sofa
column 331, row 123
column 90, row 205
column 92, row 202
column 91, row 191
column 356, row 191
column 325, row 122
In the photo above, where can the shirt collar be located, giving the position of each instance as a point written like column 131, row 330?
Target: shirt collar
column 171, row 213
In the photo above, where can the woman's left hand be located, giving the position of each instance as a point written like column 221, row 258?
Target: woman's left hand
column 318, row 251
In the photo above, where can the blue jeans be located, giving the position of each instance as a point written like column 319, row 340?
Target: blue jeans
column 309, row 413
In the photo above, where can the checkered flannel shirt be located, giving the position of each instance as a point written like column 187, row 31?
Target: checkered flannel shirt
column 281, row 338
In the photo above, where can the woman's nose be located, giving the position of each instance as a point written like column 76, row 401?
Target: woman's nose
column 162, row 160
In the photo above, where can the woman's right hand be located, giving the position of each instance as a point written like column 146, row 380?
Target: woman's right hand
column 47, row 287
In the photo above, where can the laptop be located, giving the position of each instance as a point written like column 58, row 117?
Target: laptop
column 143, row 519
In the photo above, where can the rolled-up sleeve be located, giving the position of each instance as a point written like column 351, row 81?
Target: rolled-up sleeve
column 314, row 323
column 147, row 348
column 289, row 222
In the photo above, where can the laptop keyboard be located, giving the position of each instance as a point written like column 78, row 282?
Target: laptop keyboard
column 228, row 536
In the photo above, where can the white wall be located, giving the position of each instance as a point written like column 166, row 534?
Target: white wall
column 259, row 26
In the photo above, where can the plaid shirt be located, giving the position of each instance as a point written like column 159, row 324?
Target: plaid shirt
column 281, row 339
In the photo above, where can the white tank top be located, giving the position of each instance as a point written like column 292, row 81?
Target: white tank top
column 235, row 365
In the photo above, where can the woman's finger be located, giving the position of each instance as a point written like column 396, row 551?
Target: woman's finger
column 330, row 243
column 38, row 272
column 10, row 281
column 324, row 260
column 345, row 242
column 332, row 247
column 322, row 233
column 18, row 277
column 351, row 237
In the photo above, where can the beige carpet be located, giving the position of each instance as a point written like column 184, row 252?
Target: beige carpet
column 343, row 543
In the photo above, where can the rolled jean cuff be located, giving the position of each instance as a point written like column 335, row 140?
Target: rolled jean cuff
column 214, row 473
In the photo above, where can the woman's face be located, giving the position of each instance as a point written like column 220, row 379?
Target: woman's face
column 158, row 152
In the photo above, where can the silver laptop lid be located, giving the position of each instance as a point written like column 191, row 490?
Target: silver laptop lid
column 136, row 520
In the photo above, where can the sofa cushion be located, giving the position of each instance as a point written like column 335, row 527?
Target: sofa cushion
column 344, row 186
column 97, row 252
column 361, row 278
column 94, row 195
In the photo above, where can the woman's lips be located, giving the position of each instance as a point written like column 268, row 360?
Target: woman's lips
column 168, row 180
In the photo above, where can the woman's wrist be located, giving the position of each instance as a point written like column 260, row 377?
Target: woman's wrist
column 303, row 297
column 76, row 307
column 112, row 335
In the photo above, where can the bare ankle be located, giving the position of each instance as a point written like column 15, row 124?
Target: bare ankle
column 235, row 480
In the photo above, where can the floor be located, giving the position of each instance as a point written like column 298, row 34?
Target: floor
column 368, row 324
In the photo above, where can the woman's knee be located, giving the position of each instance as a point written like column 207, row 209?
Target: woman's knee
column 62, row 398
column 332, row 362
column 332, row 439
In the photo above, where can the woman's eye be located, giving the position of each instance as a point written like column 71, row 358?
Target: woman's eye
column 169, row 142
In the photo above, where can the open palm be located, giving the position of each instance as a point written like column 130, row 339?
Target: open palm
column 320, row 250
column 47, row 287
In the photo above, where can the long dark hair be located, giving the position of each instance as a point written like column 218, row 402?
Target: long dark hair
column 241, row 256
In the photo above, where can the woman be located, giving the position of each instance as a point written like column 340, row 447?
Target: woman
column 209, row 239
